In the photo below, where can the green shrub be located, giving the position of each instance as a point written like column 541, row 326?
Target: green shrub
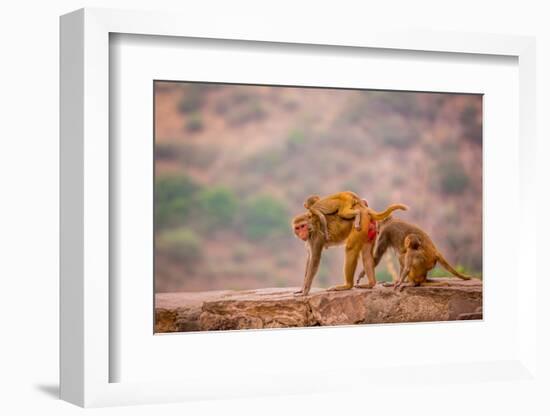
column 245, row 113
column 264, row 216
column 173, row 199
column 192, row 98
column 438, row 272
column 453, row 179
column 280, row 282
column 181, row 245
column 240, row 107
column 296, row 138
column 217, row 206
column 166, row 151
column 263, row 162
column 323, row 275
column 383, row 275
column 194, row 123
column 441, row 272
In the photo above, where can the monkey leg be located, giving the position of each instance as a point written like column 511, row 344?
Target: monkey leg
column 368, row 266
column 350, row 213
column 404, row 273
column 353, row 249
column 361, row 275
column 382, row 244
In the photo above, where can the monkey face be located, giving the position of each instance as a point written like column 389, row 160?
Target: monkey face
column 301, row 230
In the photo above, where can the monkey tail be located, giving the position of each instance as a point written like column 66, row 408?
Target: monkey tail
column 450, row 268
column 378, row 216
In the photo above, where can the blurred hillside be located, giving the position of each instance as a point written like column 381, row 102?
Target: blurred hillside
column 234, row 164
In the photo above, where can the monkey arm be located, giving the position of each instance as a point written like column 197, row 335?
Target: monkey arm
column 381, row 247
column 322, row 219
column 405, row 270
column 308, row 261
column 316, row 244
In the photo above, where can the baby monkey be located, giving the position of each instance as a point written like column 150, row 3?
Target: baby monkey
column 416, row 264
column 346, row 205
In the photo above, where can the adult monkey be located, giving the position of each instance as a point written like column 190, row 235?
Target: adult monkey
column 308, row 228
column 416, row 252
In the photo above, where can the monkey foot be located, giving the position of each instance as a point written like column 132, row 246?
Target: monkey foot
column 339, row 287
column 365, row 286
column 400, row 287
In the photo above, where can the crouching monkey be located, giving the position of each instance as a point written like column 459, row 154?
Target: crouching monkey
column 416, row 252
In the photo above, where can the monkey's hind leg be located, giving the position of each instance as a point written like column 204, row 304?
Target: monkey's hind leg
column 353, row 249
column 350, row 213
column 368, row 266
column 361, row 275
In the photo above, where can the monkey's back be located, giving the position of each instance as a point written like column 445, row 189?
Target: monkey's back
column 395, row 230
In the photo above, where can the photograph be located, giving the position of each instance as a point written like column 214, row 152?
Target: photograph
column 300, row 206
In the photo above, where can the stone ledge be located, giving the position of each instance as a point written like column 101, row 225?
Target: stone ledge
column 279, row 308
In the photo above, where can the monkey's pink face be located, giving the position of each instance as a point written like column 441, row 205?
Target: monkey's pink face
column 302, row 231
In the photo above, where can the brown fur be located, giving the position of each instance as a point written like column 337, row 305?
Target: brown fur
column 346, row 205
column 416, row 252
column 308, row 227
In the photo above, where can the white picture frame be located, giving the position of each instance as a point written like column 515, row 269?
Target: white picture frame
column 86, row 356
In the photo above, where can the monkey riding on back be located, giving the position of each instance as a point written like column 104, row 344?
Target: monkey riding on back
column 339, row 213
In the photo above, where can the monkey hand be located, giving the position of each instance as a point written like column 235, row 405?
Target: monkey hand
column 300, row 292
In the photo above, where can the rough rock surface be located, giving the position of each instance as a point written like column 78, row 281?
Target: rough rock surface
column 280, row 308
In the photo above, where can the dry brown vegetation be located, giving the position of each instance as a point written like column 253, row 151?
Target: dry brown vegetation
column 234, row 164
